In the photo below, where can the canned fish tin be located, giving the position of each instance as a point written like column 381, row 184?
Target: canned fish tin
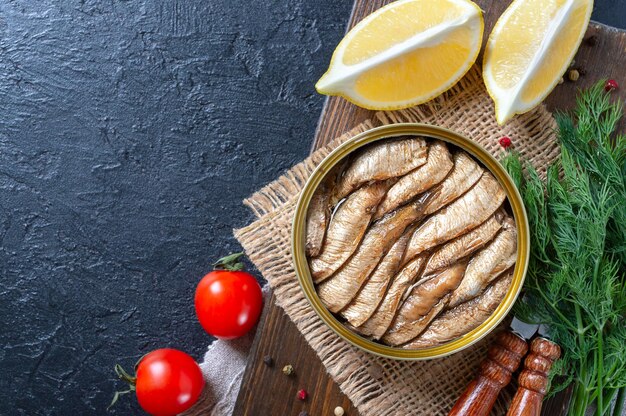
column 430, row 132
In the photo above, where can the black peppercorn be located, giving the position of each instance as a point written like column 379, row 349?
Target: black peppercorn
column 268, row 361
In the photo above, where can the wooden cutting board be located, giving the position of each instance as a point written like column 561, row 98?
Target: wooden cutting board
column 266, row 391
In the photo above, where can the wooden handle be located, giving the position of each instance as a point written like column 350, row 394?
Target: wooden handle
column 533, row 379
column 495, row 372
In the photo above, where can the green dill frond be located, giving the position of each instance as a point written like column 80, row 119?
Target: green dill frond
column 576, row 279
column 589, row 140
column 513, row 165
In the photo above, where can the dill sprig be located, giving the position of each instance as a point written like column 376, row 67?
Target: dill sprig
column 576, row 281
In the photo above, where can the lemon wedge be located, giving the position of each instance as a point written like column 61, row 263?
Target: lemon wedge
column 405, row 53
column 529, row 49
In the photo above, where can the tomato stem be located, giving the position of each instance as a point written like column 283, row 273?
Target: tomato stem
column 119, row 394
column 123, row 375
column 230, row 263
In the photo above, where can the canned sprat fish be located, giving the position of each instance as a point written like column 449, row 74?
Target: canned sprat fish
column 411, row 229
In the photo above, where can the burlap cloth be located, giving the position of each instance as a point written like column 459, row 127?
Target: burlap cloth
column 379, row 386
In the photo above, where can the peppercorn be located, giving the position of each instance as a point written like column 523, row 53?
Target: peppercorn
column 339, row 411
column 268, row 361
column 573, row 75
column 288, row 370
column 302, row 394
column 610, row 85
column 505, row 142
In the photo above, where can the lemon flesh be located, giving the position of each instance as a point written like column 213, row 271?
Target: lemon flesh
column 405, row 53
column 530, row 48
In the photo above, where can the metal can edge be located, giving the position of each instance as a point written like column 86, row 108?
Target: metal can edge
column 298, row 237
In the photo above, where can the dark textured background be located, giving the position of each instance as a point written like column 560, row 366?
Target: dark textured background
column 129, row 133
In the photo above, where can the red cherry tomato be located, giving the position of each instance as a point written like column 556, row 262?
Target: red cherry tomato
column 228, row 302
column 168, row 382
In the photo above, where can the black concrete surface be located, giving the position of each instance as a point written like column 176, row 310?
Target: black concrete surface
column 130, row 131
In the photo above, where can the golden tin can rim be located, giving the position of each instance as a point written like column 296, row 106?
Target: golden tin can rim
column 298, row 238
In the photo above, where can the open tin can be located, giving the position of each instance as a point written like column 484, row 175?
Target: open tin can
column 298, row 239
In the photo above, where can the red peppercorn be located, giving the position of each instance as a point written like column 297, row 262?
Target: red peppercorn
column 302, row 394
column 505, row 141
column 610, row 85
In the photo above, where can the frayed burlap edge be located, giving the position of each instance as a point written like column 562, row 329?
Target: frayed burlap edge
column 379, row 386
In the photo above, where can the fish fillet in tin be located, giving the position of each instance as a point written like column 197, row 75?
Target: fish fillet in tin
column 346, row 229
column 338, row 291
column 417, row 310
column 380, row 161
column 371, row 294
column 437, row 166
column 467, row 212
column 463, row 318
column 488, row 264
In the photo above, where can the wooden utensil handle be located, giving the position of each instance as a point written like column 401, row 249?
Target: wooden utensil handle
column 533, row 379
column 495, row 372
